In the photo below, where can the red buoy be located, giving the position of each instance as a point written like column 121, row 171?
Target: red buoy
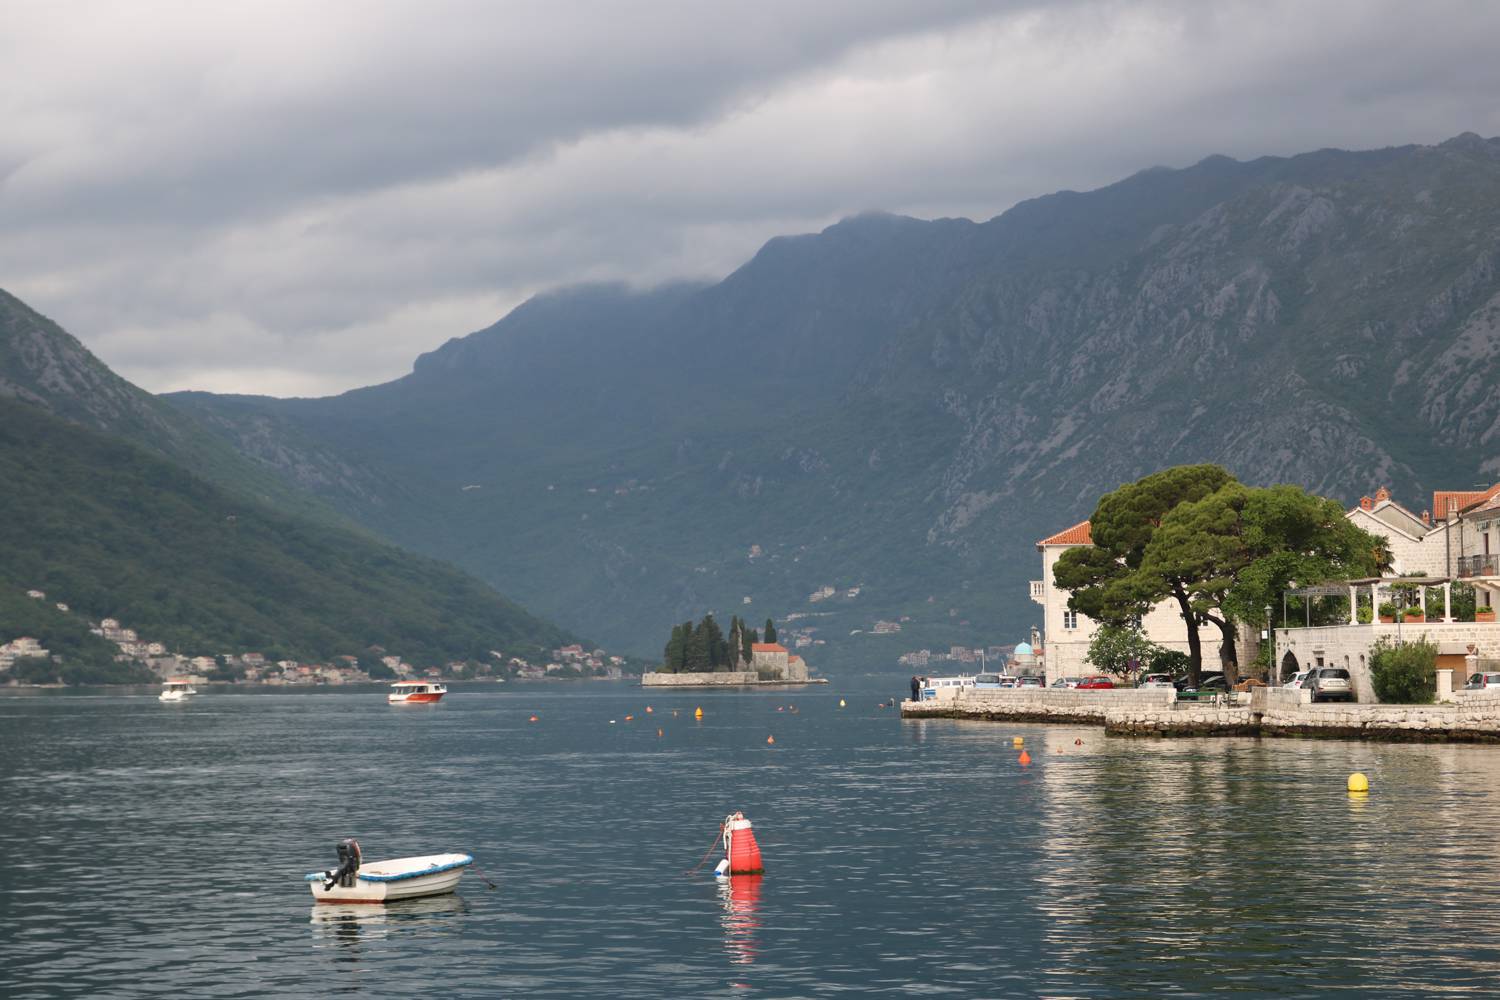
column 740, row 846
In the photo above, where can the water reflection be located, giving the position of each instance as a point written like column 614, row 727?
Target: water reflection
column 739, row 895
column 349, row 925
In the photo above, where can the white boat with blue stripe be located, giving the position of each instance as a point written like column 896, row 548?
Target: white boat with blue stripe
column 386, row 881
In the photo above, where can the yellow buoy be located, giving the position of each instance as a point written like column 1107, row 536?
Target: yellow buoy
column 841, row 703
column 698, row 714
column 1358, row 782
column 1017, row 741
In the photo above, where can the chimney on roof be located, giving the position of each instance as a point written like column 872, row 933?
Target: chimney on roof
column 1365, row 503
column 1426, row 517
column 1382, row 494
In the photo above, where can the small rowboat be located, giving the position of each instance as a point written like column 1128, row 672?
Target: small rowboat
column 415, row 692
column 388, row 881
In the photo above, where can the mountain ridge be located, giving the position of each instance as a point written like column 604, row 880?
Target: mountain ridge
column 908, row 405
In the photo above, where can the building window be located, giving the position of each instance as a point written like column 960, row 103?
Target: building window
column 1070, row 619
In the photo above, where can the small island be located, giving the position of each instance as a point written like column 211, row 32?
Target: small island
column 702, row 655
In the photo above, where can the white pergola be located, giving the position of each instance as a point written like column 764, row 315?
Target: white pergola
column 1375, row 583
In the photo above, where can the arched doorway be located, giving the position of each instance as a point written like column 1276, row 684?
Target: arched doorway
column 1289, row 667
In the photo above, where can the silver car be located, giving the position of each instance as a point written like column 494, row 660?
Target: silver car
column 1329, row 684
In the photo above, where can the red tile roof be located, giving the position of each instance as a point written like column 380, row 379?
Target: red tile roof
column 1079, row 534
column 767, row 647
column 1442, row 500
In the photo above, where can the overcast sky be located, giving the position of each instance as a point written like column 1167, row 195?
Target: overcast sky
column 297, row 199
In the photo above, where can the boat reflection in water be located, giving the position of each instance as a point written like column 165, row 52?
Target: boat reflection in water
column 349, row 924
column 740, row 897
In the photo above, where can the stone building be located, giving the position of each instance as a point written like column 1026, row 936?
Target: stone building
column 774, row 661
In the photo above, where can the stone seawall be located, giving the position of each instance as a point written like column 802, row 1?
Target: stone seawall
column 1472, row 717
column 1184, row 720
column 732, row 678
column 1044, row 705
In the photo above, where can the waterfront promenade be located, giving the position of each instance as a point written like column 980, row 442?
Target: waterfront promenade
column 1471, row 716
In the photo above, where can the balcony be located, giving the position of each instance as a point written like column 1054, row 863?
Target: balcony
column 1038, row 588
column 1472, row 566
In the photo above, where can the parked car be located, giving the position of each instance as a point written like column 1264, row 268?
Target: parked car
column 1329, row 684
column 1156, row 681
column 1478, row 682
column 1297, row 679
column 1028, row 682
column 1209, row 685
column 1007, row 682
column 1064, row 682
column 1096, row 683
column 989, row 682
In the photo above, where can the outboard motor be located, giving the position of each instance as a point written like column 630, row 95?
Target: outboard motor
column 348, row 866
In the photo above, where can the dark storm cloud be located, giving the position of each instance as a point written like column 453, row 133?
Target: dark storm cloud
column 301, row 199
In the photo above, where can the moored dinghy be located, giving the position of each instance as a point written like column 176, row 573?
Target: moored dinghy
column 386, row 881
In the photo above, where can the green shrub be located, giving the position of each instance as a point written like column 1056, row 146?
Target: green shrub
column 1404, row 674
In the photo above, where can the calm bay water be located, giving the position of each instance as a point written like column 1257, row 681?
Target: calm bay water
column 158, row 850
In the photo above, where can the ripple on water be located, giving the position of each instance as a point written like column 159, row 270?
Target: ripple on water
column 158, row 850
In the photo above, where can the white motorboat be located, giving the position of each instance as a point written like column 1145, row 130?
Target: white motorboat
column 416, row 693
column 177, row 690
column 386, row 881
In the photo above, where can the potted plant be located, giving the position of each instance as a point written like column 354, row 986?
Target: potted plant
column 1413, row 615
column 1484, row 614
column 1387, row 612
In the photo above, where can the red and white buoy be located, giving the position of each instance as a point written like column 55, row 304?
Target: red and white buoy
column 741, row 853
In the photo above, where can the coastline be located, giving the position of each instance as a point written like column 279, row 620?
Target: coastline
column 1472, row 717
column 721, row 679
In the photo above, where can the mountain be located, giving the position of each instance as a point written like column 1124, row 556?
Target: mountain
column 44, row 365
column 115, row 531
column 905, row 406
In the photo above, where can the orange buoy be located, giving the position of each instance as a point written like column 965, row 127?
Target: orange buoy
column 770, row 739
column 740, row 846
column 1025, row 758
column 658, row 732
column 629, row 718
column 532, row 719
column 1078, row 742
column 699, row 713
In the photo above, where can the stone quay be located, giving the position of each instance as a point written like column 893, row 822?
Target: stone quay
column 1469, row 716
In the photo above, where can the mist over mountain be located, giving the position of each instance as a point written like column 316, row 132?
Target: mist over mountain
column 906, row 406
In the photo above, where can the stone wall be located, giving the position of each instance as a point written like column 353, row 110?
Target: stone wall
column 1039, row 704
column 1474, row 721
column 734, row 678
column 1182, row 720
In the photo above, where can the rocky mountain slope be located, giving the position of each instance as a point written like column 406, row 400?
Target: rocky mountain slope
column 906, row 406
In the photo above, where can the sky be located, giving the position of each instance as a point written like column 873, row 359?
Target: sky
column 297, row 199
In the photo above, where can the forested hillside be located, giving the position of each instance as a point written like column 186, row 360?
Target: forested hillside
column 114, row 531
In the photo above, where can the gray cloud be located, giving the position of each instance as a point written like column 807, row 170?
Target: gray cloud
column 301, row 199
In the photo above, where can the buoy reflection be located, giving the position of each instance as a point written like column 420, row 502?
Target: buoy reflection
column 740, row 897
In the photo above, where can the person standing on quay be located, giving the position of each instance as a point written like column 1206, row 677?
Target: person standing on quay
column 916, row 688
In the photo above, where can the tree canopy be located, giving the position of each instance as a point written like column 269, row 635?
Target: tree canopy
column 1221, row 550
